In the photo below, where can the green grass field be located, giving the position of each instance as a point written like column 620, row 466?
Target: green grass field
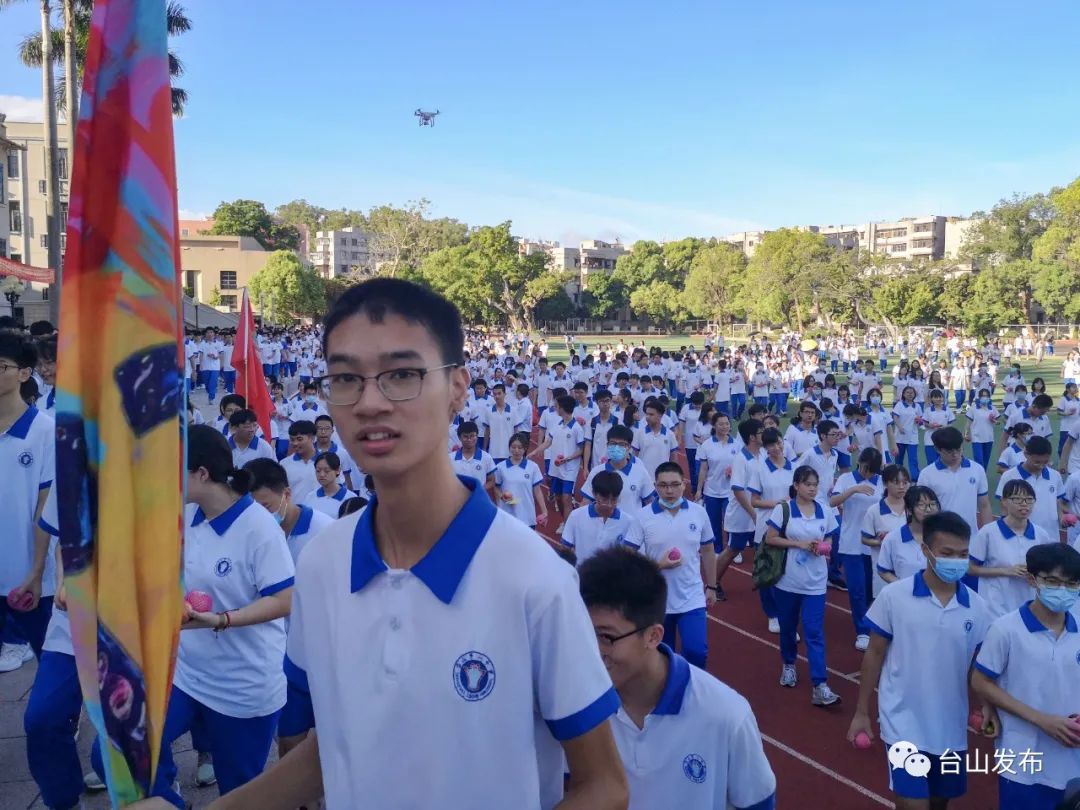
column 1049, row 370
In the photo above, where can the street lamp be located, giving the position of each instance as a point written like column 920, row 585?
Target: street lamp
column 12, row 288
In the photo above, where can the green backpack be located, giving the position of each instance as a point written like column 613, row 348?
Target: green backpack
column 769, row 561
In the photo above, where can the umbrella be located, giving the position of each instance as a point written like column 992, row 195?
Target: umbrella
column 808, row 345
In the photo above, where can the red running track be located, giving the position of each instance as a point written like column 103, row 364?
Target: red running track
column 815, row 766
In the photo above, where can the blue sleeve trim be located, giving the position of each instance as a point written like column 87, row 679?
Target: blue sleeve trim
column 867, row 534
column 44, row 485
column 975, row 560
column 540, row 481
column 989, row 673
column 629, row 544
column 983, row 494
column 587, row 496
column 755, row 491
column 270, row 590
column 569, row 728
column 45, row 527
column 874, row 628
column 296, row 676
column 765, row 804
column 769, row 522
column 882, row 570
column 736, row 488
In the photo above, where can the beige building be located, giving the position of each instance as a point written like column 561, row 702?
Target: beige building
column 591, row 256
column 26, row 216
column 908, row 238
column 338, row 253
column 746, row 241
column 224, row 263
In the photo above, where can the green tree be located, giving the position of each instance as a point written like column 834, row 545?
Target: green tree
column 996, row 298
column 250, row 218
column 214, row 298
column 404, row 237
column 679, row 258
column 605, row 296
column 778, row 285
column 1058, row 292
column 294, row 289
column 1009, row 231
column 955, row 297
column 905, row 299
column 1060, row 242
column 76, row 30
column 557, row 307
column 714, row 283
column 659, row 301
column 641, row 266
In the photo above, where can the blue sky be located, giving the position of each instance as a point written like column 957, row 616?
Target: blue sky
column 630, row 119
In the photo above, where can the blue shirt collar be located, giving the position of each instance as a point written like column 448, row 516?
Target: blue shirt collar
column 21, row 426
column 340, row 496
column 819, row 513
column 963, row 463
column 671, row 699
column 921, row 590
column 225, row 520
column 1009, row 534
column 747, row 454
column 251, row 446
column 773, row 468
column 873, row 479
column 615, row 515
column 657, row 508
column 477, row 454
column 1045, row 474
column 444, row 566
column 1032, row 623
column 663, row 430
column 523, row 465
column 883, row 508
column 625, row 470
column 303, row 523
column 905, row 534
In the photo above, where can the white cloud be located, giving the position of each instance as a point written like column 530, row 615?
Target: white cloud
column 21, row 108
column 186, row 214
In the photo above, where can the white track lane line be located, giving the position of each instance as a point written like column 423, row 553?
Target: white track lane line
column 817, row 766
column 776, row 647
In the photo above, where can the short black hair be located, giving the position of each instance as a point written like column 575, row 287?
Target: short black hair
column 601, row 393
column 468, row 427
column 267, row 474
column 207, row 448
column 1038, row 446
column 332, row 459
column 771, row 436
column 621, row 432
column 322, row 417
column 14, row 346
column 379, row 297
column 607, row 483
column 581, row 386
column 1017, row 486
column 825, row 426
column 350, row 505
column 749, row 428
column 566, row 403
column 1046, row 558
column 302, row 427
column 947, row 438
column 945, row 523
column 668, row 467
column 242, row 416
column 41, row 329
column 870, row 457
column 232, row 399
column 1044, row 401
column 622, row 580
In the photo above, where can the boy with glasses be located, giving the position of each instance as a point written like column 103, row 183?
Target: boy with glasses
column 637, row 484
column 1027, row 668
column 686, row 739
column 1050, row 505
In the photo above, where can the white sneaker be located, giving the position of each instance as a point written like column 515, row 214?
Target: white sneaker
column 774, row 625
column 204, row 773
column 824, row 696
column 738, row 560
column 93, row 781
column 862, row 642
column 788, row 677
column 13, row 656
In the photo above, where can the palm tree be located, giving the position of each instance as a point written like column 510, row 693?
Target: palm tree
column 77, row 32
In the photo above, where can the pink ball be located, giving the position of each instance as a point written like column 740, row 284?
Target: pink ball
column 20, row 603
column 862, row 740
column 200, row 601
column 975, row 720
column 674, row 555
column 1070, row 519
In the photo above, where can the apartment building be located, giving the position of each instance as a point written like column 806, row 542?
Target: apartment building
column 908, row 238
column 746, row 241
column 23, row 189
column 222, row 263
column 591, row 256
column 338, row 253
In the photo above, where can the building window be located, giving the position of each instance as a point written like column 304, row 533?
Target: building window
column 923, row 227
column 228, row 280
column 229, row 301
column 3, row 248
column 922, row 243
column 344, row 269
column 191, row 278
column 2, row 186
column 183, row 232
column 44, row 240
column 343, row 240
column 63, row 215
column 16, row 217
column 44, row 293
column 62, row 164
column 13, row 166
column 41, row 186
column 16, row 257
column 354, row 242
column 902, row 247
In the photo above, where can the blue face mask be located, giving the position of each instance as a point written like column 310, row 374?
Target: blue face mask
column 616, row 453
column 1058, row 600
column 984, row 400
column 311, row 399
column 671, row 504
column 950, row 569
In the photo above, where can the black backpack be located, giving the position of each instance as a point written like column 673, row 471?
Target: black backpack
column 769, row 561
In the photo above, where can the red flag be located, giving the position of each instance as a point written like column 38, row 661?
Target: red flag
column 250, row 382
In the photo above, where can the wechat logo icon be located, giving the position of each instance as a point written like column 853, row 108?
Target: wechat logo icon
column 906, row 756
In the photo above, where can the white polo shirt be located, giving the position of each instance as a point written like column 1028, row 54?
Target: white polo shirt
column 301, row 474
column 904, row 415
column 566, row 439
column 499, row 427
column 549, row 420
column 654, row 447
column 1043, row 671
column 957, row 490
column 804, row 573
column 699, row 749
column 798, row 441
column 926, row 706
column 479, row 467
column 771, row 483
column 1012, row 455
column 237, row 557
column 27, row 462
column 1049, row 489
column 597, row 434
column 637, row 485
column 308, row 525
column 737, row 519
column 257, row 448
column 997, row 546
column 720, row 456
column 1040, row 425
column 520, row 480
column 587, row 532
column 327, row 504
column 484, row 634
column 901, row 554
column 58, row 633
column 688, row 530
column 854, row 509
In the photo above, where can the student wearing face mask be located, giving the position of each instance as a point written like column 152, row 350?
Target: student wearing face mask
column 1016, row 439
column 982, row 416
column 930, row 616
column 1026, row 668
column 270, row 489
column 310, row 408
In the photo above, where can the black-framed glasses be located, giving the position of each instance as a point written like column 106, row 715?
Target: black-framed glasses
column 396, row 384
column 606, row 640
column 4, row 367
column 1022, row 500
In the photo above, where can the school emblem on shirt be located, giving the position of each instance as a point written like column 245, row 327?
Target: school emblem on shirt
column 694, row 768
column 223, row 566
column 969, row 625
column 971, row 480
column 474, row 676
column 693, row 527
column 26, row 458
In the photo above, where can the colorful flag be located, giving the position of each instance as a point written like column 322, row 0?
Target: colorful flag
column 250, row 382
column 120, row 415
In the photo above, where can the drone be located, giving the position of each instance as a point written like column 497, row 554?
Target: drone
column 427, row 119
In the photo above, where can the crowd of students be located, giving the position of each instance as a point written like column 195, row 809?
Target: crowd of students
column 439, row 607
